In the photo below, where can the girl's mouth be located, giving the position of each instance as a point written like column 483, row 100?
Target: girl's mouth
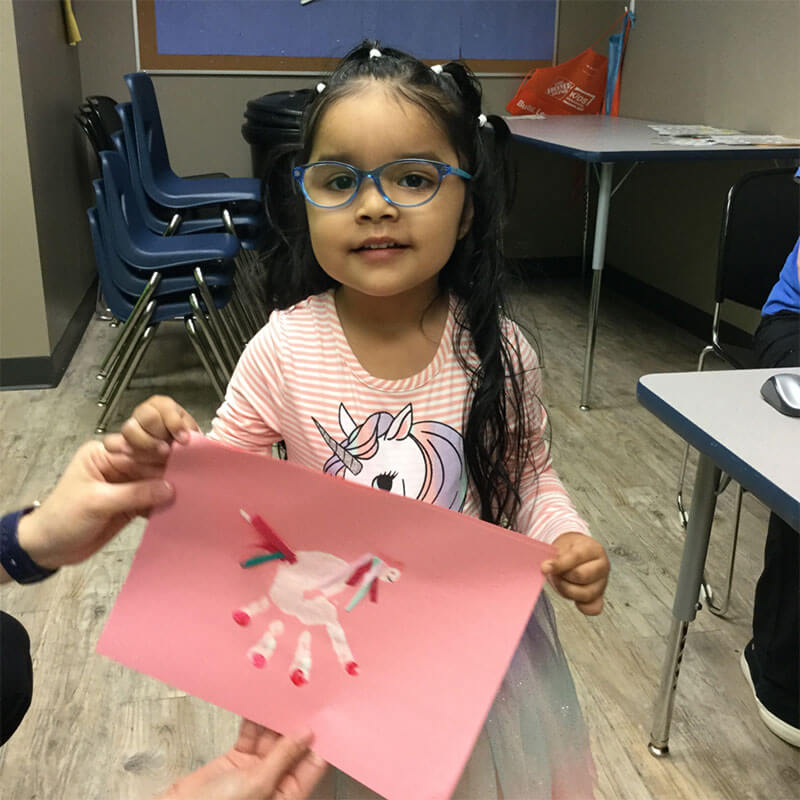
column 377, row 246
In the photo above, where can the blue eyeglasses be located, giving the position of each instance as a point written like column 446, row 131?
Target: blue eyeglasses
column 407, row 182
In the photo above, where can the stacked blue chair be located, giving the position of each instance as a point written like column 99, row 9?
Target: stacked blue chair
column 165, row 221
column 152, row 278
column 162, row 185
column 238, row 201
column 142, row 315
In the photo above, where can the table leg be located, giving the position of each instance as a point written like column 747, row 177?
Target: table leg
column 598, row 259
column 684, row 608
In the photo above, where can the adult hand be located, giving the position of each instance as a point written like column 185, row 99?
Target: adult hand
column 261, row 766
column 579, row 571
column 98, row 494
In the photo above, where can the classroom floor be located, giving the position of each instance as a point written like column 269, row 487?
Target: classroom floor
column 98, row 730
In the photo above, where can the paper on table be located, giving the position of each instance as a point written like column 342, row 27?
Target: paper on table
column 756, row 139
column 431, row 652
column 690, row 130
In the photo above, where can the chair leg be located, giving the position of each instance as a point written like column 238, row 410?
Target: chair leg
column 683, row 513
column 229, row 318
column 205, row 329
column 239, row 320
column 202, row 354
column 216, row 321
column 112, row 382
column 141, row 348
column 101, row 310
column 240, row 290
column 130, row 326
column 248, row 258
column 721, row 609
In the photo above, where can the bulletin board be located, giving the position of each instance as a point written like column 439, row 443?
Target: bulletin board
column 495, row 37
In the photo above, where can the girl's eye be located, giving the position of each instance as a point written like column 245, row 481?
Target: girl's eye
column 341, row 183
column 415, row 180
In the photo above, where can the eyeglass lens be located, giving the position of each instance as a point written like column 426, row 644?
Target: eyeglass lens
column 403, row 182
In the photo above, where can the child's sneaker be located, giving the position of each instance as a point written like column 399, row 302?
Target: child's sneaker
column 779, row 727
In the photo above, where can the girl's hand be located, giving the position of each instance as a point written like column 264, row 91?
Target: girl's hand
column 261, row 766
column 152, row 427
column 579, row 571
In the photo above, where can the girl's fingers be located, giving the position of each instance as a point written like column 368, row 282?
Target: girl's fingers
column 115, row 443
column 578, row 592
column 143, row 441
column 586, row 573
column 593, row 608
column 160, row 418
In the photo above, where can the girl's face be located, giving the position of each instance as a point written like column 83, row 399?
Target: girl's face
column 367, row 129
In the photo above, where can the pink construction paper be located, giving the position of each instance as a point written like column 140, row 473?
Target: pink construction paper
column 431, row 653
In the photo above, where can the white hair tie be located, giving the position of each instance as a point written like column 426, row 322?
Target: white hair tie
column 481, row 120
column 321, row 88
column 375, row 53
column 437, row 68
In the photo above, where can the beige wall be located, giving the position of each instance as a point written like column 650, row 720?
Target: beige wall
column 51, row 92
column 720, row 62
column 46, row 264
column 23, row 323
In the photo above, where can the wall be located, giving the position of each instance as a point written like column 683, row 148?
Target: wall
column 730, row 64
column 23, row 323
column 47, row 267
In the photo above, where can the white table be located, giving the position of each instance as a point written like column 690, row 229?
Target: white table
column 723, row 416
column 607, row 140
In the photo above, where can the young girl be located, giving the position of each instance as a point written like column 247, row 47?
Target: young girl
column 390, row 362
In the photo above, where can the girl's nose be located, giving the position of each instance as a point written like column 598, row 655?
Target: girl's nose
column 370, row 204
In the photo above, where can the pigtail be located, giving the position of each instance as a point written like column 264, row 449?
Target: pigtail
column 497, row 443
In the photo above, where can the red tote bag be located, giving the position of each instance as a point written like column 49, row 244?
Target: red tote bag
column 575, row 87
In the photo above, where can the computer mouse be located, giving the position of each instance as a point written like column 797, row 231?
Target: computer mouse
column 782, row 392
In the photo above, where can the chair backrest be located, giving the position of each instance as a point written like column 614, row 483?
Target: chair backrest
column 151, row 145
column 104, row 108
column 125, row 145
column 95, row 144
column 124, row 213
column 761, row 223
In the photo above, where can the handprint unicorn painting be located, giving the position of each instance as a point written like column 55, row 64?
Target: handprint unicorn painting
column 302, row 587
column 423, row 460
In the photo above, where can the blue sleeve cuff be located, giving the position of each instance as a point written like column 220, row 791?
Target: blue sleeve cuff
column 14, row 560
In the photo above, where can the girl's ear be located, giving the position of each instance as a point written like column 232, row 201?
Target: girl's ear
column 466, row 217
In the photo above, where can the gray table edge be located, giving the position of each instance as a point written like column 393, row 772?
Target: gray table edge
column 774, row 497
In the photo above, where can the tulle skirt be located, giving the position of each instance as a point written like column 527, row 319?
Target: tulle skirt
column 534, row 744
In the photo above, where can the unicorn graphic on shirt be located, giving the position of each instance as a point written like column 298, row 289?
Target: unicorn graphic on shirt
column 423, row 460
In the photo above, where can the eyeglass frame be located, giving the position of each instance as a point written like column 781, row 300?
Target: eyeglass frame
column 298, row 173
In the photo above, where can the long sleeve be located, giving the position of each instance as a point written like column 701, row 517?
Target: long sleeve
column 250, row 415
column 546, row 511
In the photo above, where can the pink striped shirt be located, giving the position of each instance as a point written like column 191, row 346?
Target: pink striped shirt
column 298, row 380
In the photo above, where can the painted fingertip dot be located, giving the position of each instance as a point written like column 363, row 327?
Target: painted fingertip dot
column 258, row 660
column 241, row 617
column 351, row 668
column 298, row 677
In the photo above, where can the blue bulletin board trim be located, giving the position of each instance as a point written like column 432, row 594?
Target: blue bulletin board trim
column 499, row 36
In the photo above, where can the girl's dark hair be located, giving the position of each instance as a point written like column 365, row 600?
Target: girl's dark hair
column 495, row 451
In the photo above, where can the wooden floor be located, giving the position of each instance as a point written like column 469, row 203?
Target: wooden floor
column 98, row 730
